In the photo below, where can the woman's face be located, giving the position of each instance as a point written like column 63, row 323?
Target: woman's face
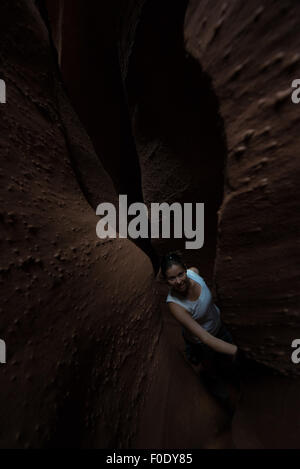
column 177, row 278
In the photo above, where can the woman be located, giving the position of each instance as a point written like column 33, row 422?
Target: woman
column 190, row 302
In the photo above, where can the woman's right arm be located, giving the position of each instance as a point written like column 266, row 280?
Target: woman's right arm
column 194, row 327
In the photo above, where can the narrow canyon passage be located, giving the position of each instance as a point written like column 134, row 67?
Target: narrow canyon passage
column 179, row 133
column 182, row 101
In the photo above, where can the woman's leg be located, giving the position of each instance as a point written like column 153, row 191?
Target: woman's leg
column 216, row 366
column 212, row 363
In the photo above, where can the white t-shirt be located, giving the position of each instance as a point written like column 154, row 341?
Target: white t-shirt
column 203, row 310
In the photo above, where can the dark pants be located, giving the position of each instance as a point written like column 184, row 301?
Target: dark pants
column 215, row 364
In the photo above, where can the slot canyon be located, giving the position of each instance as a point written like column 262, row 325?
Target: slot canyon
column 186, row 101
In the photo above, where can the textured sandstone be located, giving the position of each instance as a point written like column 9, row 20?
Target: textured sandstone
column 258, row 253
column 180, row 101
column 78, row 348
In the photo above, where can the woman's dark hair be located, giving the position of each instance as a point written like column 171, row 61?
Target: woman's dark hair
column 168, row 260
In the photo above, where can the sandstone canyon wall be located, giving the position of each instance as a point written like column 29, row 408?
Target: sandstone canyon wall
column 163, row 101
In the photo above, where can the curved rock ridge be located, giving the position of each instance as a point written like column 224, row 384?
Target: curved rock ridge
column 74, row 317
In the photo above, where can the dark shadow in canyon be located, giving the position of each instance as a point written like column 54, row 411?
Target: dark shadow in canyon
column 178, row 130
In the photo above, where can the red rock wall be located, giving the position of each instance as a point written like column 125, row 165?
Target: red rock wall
column 251, row 51
column 256, row 47
column 77, row 332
